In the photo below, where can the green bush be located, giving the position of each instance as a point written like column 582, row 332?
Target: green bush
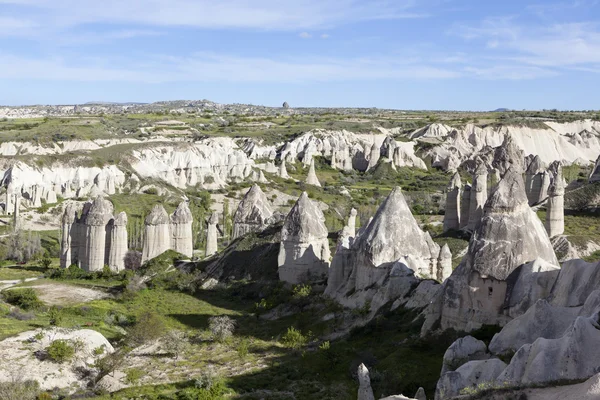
column 242, row 348
column 56, row 316
column 27, row 390
column 133, row 375
column 301, row 291
column 294, row 339
column 26, row 299
column 60, row 351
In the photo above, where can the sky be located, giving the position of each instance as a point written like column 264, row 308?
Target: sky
column 403, row 54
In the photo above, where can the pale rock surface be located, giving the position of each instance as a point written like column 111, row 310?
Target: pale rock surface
column 541, row 320
column 182, row 240
column 537, row 181
column 374, row 156
column 212, row 233
column 253, row 213
column 157, row 237
column 452, row 214
column 420, row 395
column 304, row 251
column 509, row 235
column 118, row 242
column 555, row 209
column 444, row 267
column 527, row 284
column 435, row 130
column 283, row 170
column 311, row 178
column 479, row 194
column 470, row 375
column 382, row 262
column 95, row 245
column 462, row 351
column 465, row 206
column 69, row 236
column 576, row 280
column 17, row 361
column 365, row 392
column 349, row 231
column 573, row 356
column 595, row 174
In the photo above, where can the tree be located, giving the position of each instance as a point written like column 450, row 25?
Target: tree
column 23, row 246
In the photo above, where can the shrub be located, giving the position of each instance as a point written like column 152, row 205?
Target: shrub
column 21, row 315
column 133, row 260
column 242, row 348
column 23, row 246
column 221, row 328
column 24, row 298
column 133, row 375
column 19, row 390
column 294, row 339
column 206, row 379
column 151, row 190
column 301, row 291
column 46, row 262
column 56, row 315
column 60, row 351
column 149, row 327
column 175, row 342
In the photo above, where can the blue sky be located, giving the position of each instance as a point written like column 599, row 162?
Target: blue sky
column 405, row 54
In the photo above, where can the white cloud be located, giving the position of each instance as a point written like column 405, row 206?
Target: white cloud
column 324, row 36
column 210, row 67
column 509, row 72
column 208, row 14
column 305, row 35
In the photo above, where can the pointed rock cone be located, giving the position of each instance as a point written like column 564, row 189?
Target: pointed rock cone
column 595, row 174
column 555, row 209
column 508, row 156
column 96, row 246
column 479, row 194
column 444, row 263
column 365, row 392
column 118, row 242
column 311, row 178
column 253, row 213
column 452, row 215
column 157, row 238
column 374, row 156
column 510, row 234
column 182, row 240
column 68, row 249
column 212, row 245
column 465, row 205
column 304, row 251
column 283, row 171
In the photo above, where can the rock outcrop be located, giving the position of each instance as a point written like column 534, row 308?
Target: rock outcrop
column 509, row 235
column 69, row 236
column 349, row 231
column 469, row 375
column 311, row 178
column 212, row 234
column 452, row 214
column 283, row 170
column 117, row 228
column 444, row 266
column 537, row 181
column 182, row 240
column 253, row 213
column 479, row 194
column 465, row 206
column 157, row 235
column 304, row 253
column 555, row 209
column 385, row 260
column 95, row 245
column 365, row 392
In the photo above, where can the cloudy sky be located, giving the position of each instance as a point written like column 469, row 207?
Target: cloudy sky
column 406, row 54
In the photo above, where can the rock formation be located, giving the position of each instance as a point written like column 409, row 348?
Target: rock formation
column 537, row 181
column 555, row 208
column 283, row 171
column 95, row 247
column 595, row 174
column 479, row 194
column 311, row 178
column 182, row 240
column 375, row 153
column 444, row 266
column 157, row 235
column 304, row 253
column 382, row 261
column 118, row 242
column 212, row 245
column 468, row 375
column 452, row 215
column 508, row 156
column 69, row 236
column 253, row 213
column 365, row 392
column 465, row 206
column 349, row 231
column 509, row 235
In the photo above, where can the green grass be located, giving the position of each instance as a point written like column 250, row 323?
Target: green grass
column 14, row 272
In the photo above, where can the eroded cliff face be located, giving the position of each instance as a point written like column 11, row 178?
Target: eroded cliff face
column 508, row 236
